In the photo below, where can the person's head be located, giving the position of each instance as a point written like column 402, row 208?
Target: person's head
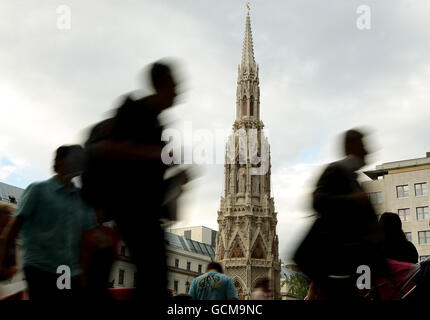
column 164, row 83
column 68, row 161
column 354, row 145
column 392, row 226
column 214, row 266
column 263, row 284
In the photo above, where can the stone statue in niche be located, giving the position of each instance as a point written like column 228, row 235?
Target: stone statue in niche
column 227, row 227
column 255, row 184
column 241, row 180
column 258, row 252
column 237, row 251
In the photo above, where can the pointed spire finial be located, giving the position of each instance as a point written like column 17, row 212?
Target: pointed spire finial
column 248, row 61
column 248, row 6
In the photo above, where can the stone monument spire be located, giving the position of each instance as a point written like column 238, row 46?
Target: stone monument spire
column 247, row 243
column 248, row 91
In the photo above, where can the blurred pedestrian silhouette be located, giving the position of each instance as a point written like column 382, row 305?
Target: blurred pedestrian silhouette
column 346, row 233
column 99, row 252
column 9, row 258
column 124, row 176
column 262, row 290
column 52, row 218
column 397, row 247
column 213, row 285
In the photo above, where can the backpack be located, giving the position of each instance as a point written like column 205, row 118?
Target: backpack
column 95, row 175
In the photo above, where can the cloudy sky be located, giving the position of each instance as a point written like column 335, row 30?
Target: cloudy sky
column 319, row 75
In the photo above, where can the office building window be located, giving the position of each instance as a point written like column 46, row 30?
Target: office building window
column 404, row 214
column 121, row 276
column 423, row 237
column 420, row 189
column 187, row 234
column 375, row 197
column 122, row 251
column 422, row 258
column 408, row 236
column 175, row 285
column 213, row 238
column 200, row 268
column 423, row 213
column 187, row 287
column 188, row 265
column 176, row 263
column 402, row 191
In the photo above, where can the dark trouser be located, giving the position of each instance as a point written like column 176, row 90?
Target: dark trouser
column 139, row 228
column 98, row 273
column 42, row 285
column 423, row 282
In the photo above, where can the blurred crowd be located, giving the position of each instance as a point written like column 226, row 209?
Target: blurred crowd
column 123, row 180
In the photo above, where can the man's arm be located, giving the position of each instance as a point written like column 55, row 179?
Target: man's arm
column 8, row 237
column 25, row 209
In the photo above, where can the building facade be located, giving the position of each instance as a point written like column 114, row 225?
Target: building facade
column 12, row 195
column 186, row 259
column 200, row 234
column 124, row 271
column 401, row 187
column 247, row 243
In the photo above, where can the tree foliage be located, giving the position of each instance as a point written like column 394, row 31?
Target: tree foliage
column 297, row 285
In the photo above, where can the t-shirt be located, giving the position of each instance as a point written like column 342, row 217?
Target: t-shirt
column 213, row 286
column 55, row 218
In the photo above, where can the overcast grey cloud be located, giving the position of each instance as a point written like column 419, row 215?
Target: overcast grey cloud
column 319, row 75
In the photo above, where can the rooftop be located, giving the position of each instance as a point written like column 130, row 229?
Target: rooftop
column 192, row 227
column 10, row 193
column 180, row 242
column 288, row 272
column 383, row 169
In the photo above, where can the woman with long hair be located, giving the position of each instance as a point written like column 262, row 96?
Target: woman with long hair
column 397, row 246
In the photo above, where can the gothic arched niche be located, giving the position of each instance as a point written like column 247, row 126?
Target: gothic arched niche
column 245, row 105
column 236, row 251
column 251, row 106
column 258, row 252
column 222, row 252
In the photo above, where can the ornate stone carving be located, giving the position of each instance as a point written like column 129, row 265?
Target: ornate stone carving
column 255, row 184
column 244, row 256
column 241, row 180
